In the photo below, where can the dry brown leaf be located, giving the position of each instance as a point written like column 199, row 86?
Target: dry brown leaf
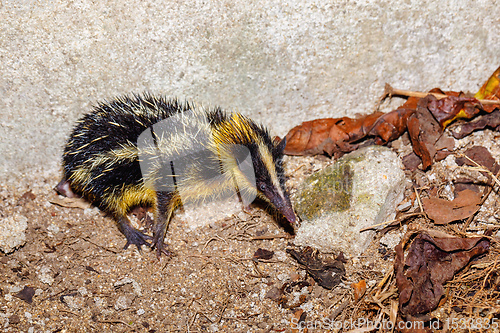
column 490, row 90
column 426, row 134
column 481, row 155
column 443, row 211
column 430, row 262
column 392, row 125
column 359, row 289
column 455, row 106
column 491, row 120
column 263, row 254
column 327, row 273
column 331, row 136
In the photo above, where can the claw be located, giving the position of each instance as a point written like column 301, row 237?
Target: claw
column 138, row 239
column 160, row 248
column 134, row 236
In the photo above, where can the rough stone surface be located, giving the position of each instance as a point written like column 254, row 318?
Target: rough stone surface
column 127, row 280
column 45, row 275
column 281, row 63
column 123, row 303
column 12, row 232
column 361, row 189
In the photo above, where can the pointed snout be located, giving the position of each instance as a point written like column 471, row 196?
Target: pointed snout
column 284, row 206
column 281, row 201
column 289, row 214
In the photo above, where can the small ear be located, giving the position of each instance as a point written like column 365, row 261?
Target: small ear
column 280, row 147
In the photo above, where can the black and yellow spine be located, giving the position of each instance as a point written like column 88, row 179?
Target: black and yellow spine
column 108, row 161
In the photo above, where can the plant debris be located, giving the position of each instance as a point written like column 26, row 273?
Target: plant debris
column 430, row 262
column 474, row 157
column 71, row 202
column 478, row 155
column 426, row 134
column 454, row 106
column 490, row 120
column 442, row 211
column 327, row 273
column 424, row 116
column 26, row 294
column 359, row 289
column 491, row 91
column 331, row 136
column 263, row 254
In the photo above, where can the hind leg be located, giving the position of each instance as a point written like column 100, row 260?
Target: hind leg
column 134, row 236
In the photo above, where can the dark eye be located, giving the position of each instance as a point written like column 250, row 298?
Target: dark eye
column 262, row 187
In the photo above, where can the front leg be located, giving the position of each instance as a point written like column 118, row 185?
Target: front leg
column 166, row 204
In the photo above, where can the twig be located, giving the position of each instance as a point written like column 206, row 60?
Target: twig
column 339, row 309
column 87, row 239
column 382, row 282
column 226, row 303
column 402, row 218
column 256, row 268
column 297, row 169
column 390, row 91
column 70, row 312
column 213, row 239
column 54, row 295
column 116, row 321
column 420, row 203
column 268, row 237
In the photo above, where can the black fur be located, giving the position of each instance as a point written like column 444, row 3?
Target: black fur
column 115, row 123
column 96, row 125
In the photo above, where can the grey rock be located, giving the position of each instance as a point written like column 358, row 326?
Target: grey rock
column 73, row 302
column 135, row 285
column 12, row 232
column 360, row 190
column 123, row 303
column 393, row 238
column 45, row 275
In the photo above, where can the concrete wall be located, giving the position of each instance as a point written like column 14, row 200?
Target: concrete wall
column 281, row 63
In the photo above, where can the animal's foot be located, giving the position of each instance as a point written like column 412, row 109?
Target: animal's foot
column 160, row 247
column 134, row 237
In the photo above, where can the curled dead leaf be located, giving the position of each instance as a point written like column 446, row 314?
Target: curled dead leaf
column 455, row 106
column 425, row 132
column 331, row 136
column 391, row 126
column 443, row 211
column 491, row 120
column 430, row 262
column 327, row 273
